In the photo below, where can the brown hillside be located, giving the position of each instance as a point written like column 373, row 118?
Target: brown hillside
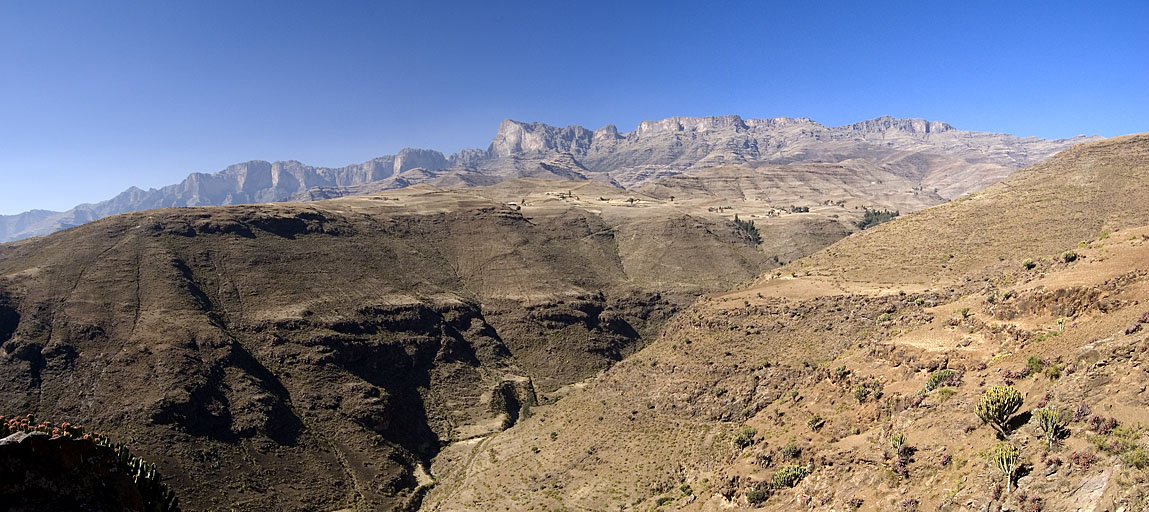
column 825, row 370
column 1037, row 212
column 316, row 356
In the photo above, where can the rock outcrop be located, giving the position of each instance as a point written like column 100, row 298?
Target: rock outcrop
column 40, row 474
column 934, row 155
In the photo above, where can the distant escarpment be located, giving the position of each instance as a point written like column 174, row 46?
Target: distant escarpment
column 932, row 155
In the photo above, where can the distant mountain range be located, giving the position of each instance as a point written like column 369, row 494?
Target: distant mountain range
column 936, row 156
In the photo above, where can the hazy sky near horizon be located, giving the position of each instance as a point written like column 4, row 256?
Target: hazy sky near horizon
column 99, row 96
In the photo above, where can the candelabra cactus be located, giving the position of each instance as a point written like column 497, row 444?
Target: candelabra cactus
column 789, row 476
column 1051, row 424
column 1005, row 457
column 998, row 405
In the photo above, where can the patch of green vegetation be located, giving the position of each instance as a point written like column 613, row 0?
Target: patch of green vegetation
column 757, row 496
column 871, row 390
column 1035, row 365
column 999, row 357
column 997, row 405
column 662, row 501
column 874, row 217
column 1028, row 263
column 1069, row 256
column 939, row 378
column 791, row 451
column 944, row 394
column 745, row 437
column 789, row 476
column 1122, row 441
column 816, row 423
column 748, row 230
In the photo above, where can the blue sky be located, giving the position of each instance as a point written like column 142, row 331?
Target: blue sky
column 99, row 96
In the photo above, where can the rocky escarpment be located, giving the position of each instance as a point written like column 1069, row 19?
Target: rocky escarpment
column 931, row 154
column 39, row 473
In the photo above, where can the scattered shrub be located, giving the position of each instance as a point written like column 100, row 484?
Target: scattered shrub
column 791, row 451
column 789, row 476
column 1081, row 413
column 997, row 405
column 874, row 217
column 815, row 423
column 1137, row 458
column 871, row 390
column 1034, row 365
column 1085, row 460
column 757, row 496
column 1028, row 264
column 1102, row 425
column 745, row 437
column 748, row 230
column 1005, row 457
column 942, row 377
column 944, row 394
column 1069, row 256
column 897, row 441
column 1051, row 424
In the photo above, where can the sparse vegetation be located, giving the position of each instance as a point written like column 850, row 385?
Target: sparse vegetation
column 997, row 405
column 791, row 451
column 1034, row 365
column 1069, row 256
column 757, row 496
column 789, row 476
column 1028, row 263
column 1052, row 424
column 872, row 218
column 1005, row 457
column 747, row 228
column 943, row 377
column 815, row 423
column 869, row 391
column 745, row 437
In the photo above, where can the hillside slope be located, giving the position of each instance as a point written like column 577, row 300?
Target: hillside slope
column 821, row 370
column 316, row 356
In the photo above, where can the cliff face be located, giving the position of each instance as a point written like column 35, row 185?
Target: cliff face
column 932, row 155
column 41, row 474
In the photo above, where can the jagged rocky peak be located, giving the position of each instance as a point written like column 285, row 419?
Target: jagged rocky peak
column 690, row 124
column 516, row 137
column 780, row 122
column 608, row 132
column 907, row 125
column 410, row 158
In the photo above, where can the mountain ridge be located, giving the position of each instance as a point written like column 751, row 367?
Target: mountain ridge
column 657, row 148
